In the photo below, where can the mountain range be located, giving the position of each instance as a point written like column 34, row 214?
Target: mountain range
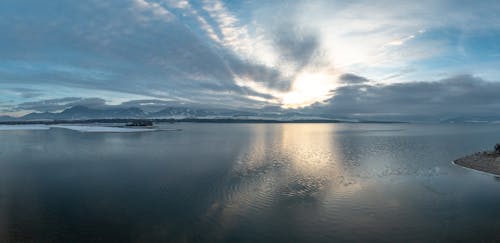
column 89, row 113
column 85, row 113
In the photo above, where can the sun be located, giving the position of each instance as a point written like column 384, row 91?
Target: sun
column 309, row 88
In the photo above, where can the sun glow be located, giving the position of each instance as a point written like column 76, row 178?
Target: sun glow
column 309, row 88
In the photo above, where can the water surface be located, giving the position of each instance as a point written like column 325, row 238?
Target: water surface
column 248, row 183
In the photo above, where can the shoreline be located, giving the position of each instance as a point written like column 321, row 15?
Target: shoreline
column 84, row 128
column 473, row 170
column 192, row 120
column 487, row 162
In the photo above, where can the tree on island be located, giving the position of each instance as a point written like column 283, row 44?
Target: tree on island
column 140, row 123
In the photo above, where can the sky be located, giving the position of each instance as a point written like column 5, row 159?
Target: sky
column 347, row 58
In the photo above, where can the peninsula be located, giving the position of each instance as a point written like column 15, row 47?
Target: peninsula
column 486, row 161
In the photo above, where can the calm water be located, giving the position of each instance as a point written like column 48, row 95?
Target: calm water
column 248, row 183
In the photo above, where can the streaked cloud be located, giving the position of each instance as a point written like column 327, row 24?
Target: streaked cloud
column 60, row 104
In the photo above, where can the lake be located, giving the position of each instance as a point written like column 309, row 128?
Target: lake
column 249, row 183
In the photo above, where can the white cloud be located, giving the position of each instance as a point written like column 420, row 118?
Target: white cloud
column 237, row 37
column 401, row 41
column 155, row 8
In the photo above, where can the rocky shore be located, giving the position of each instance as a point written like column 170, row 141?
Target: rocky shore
column 486, row 161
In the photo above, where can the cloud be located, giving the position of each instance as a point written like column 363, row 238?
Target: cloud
column 138, row 47
column 463, row 94
column 350, row 78
column 52, row 105
column 155, row 9
column 401, row 41
column 25, row 93
column 211, row 52
column 295, row 47
column 152, row 104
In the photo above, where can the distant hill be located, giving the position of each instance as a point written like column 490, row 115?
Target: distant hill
column 85, row 113
column 472, row 119
column 179, row 113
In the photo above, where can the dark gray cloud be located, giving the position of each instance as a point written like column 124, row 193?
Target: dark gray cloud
column 51, row 105
column 350, row 78
column 266, row 76
column 295, row 45
column 464, row 94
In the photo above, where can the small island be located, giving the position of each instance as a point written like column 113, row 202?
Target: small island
column 140, row 123
column 486, row 161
